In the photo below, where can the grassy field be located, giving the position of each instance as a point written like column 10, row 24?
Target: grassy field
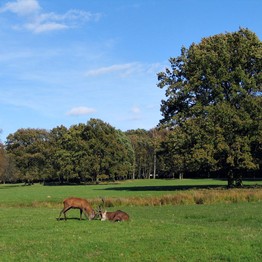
column 132, row 188
column 219, row 231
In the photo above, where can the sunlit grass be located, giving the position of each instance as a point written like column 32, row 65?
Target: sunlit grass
column 132, row 193
column 171, row 220
column 221, row 232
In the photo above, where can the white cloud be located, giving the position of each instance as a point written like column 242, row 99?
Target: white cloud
column 125, row 70
column 135, row 110
column 21, row 7
column 44, row 27
column 111, row 69
column 37, row 21
column 135, row 115
column 82, row 110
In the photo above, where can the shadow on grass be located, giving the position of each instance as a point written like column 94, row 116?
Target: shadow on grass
column 174, row 188
column 75, row 218
column 8, row 186
column 68, row 218
column 79, row 184
column 163, row 188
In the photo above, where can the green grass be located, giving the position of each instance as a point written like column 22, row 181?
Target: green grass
column 18, row 193
column 149, row 191
column 131, row 188
column 220, row 232
column 206, row 232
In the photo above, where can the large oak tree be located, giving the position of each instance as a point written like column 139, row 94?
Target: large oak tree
column 214, row 87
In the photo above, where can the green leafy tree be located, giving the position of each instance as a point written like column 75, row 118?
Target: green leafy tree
column 26, row 147
column 143, row 147
column 217, row 82
column 157, row 137
column 91, row 151
column 110, row 151
column 3, row 164
column 58, row 154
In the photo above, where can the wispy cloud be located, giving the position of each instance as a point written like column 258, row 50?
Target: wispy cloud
column 135, row 110
column 120, row 68
column 21, row 7
column 135, row 114
column 124, row 70
column 38, row 21
column 82, row 110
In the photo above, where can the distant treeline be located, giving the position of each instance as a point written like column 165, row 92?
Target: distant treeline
column 96, row 151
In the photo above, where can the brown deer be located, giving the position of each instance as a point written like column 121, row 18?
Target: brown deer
column 78, row 203
column 114, row 216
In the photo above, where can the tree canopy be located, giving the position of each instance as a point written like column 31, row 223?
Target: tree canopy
column 84, row 152
column 213, row 92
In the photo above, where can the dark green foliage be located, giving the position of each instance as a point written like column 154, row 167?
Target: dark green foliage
column 3, row 164
column 84, row 152
column 28, row 149
column 213, row 106
column 141, row 143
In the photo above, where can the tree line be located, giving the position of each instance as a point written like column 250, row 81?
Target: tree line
column 211, row 126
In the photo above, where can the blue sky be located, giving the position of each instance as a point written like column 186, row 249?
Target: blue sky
column 63, row 62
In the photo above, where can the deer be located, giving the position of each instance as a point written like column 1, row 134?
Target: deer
column 78, row 203
column 116, row 216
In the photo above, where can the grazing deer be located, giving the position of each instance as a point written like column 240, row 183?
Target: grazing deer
column 78, row 203
column 114, row 216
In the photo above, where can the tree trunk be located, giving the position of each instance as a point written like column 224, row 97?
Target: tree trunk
column 154, row 171
column 134, row 168
column 239, row 179
column 230, row 179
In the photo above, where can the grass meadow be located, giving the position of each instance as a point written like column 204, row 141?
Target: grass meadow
column 171, row 220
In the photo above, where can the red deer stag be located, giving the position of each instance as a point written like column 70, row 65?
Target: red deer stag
column 114, row 216
column 78, row 203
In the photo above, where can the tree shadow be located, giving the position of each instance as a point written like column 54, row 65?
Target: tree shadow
column 163, row 188
column 174, row 188
column 9, row 186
